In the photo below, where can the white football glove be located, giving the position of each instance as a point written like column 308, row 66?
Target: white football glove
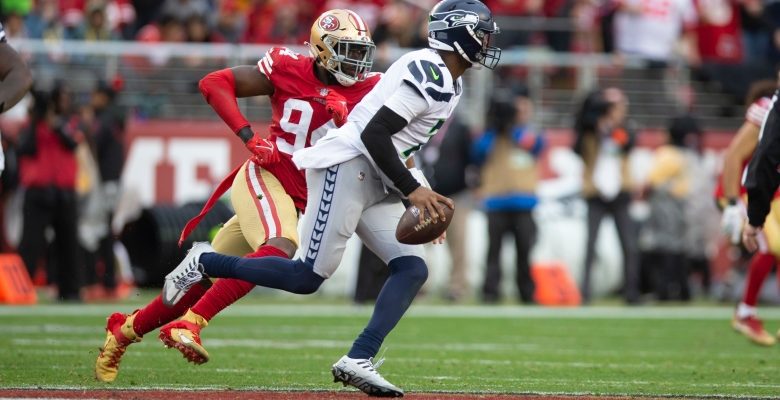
column 732, row 221
column 417, row 174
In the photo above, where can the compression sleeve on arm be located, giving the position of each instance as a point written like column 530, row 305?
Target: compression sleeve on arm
column 400, row 108
column 377, row 137
column 219, row 90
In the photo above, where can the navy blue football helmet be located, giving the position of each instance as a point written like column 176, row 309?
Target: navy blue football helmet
column 465, row 27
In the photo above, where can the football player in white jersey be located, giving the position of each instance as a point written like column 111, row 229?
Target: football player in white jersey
column 15, row 79
column 356, row 179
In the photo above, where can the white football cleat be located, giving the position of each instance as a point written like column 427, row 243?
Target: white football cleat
column 187, row 273
column 362, row 374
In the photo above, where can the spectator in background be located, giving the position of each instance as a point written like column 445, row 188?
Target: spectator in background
column 603, row 143
column 276, row 22
column 701, row 213
column 14, row 27
column 718, row 31
column 95, row 27
column 183, row 9
column 508, row 152
column 772, row 18
column 44, row 22
column 48, row 175
column 513, row 35
column 230, row 23
column 171, row 29
column 446, row 162
column 198, row 31
column 558, row 39
column 668, row 187
column 755, row 31
column 370, row 10
column 146, row 13
column 652, row 29
column 399, row 26
column 105, row 135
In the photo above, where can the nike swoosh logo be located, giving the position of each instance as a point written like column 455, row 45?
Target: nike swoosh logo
column 435, row 76
column 184, row 339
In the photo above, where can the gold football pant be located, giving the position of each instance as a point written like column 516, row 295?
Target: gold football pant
column 263, row 210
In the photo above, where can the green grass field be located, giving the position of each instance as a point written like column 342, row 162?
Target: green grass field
column 675, row 351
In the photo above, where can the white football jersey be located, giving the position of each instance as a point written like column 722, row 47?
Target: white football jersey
column 424, row 71
column 2, row 34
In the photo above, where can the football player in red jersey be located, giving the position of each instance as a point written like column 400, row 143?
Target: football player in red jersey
column 309, row 95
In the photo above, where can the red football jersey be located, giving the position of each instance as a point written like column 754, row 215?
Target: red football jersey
column 298, row 111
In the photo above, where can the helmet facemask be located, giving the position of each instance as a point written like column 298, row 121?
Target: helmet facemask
column 489, row 55
column 350, row 60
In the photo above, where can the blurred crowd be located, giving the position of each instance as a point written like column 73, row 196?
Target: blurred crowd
column 67, row 163
column 701, row 31
column 726, row 42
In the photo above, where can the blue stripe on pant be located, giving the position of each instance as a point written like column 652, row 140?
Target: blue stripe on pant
column 323, row 212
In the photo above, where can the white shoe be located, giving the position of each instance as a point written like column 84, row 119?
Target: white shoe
column 362, row 374
column 187, row 273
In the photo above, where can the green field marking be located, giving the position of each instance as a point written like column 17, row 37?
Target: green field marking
column 594, row 350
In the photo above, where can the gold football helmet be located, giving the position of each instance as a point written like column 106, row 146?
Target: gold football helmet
column 341, row 42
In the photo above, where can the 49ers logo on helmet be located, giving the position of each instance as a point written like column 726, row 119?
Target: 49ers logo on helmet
column 329, row 23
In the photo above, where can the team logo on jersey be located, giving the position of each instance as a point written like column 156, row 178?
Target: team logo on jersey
column 324, row 92
column 329, row 23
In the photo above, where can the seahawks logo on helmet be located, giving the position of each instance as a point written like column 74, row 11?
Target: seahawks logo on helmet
column 453, row 19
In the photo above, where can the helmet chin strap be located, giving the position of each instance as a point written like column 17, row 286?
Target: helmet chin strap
column 343, row 80
column 474, row 65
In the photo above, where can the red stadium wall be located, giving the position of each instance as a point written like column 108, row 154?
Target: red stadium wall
column 180, row 161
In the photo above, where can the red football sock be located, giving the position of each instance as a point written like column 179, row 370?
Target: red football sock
column 759, row 268
column 157, row 314
column 227, row 291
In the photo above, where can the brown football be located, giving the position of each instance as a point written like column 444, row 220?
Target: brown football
column 411, row 231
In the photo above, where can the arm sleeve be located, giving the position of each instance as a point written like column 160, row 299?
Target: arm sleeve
column 377, row 137
column 762, row 177
column 219, row 90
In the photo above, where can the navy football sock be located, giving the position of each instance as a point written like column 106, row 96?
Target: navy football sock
column 407, row 275
column 293, row 276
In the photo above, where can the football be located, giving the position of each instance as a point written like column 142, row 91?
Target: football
column 411, row 231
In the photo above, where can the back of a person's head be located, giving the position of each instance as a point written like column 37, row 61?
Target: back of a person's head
column 41, row 102
column 594, row 106
column 680, row 127
column 501, row 111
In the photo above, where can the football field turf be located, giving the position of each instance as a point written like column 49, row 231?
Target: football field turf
column 653, row 351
